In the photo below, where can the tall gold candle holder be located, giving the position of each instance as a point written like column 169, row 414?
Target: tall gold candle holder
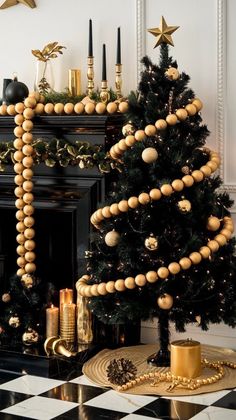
column 118, row 81
column 104, row 94
column 74, row 82
column 90, row 76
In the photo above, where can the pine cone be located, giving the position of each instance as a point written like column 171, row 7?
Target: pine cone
column 120, row 371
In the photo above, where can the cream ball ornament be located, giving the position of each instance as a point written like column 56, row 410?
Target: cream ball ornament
column 165, row 301
column 112, row 238
column 151, row 243
column 149, row 155
column 184, row 206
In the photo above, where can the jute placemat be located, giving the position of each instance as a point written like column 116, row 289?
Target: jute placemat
column 95, row 369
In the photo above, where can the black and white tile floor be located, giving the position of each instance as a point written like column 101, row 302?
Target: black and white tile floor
column 33, row 397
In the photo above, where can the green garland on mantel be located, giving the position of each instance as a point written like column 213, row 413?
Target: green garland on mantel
column 61, row 152
column 65, row 97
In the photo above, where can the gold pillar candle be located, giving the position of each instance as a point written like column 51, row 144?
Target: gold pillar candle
column 185, row 358
column 75, row 82
column 52, row 315
column 67, row 322
column 66, row 296
column 84, row 321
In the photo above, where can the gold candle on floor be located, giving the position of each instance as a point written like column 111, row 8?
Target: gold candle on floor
column 185, row 358
column 52, row 315
column 75, row 82
column 66, row 296
column 67, row 322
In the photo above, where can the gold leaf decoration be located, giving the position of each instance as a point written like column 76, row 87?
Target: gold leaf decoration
column 50, row 50
column 9, row 3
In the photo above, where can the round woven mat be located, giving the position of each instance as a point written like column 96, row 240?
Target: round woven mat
column 95, row 369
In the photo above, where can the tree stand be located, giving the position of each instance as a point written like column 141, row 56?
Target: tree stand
column 162, row 357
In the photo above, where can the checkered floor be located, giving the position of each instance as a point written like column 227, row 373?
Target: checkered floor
column 33, row 397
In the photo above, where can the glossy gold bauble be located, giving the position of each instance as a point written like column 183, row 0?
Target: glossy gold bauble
column 171, row 119
column 128, row 129
column 165, row 301
column 161, row 124
column 14, row 321
column 89, row 108
column 111, row 107
column 184, row 206
column 30, row 337
column 100, row 108
column 155, row 194
column 181, row 114
column 112, row 238
column 151, row 276
column 149, row 155
column 79, row 108
column 69, row 108
column 177, row 185
column 213, row 223
column 140, row 135
column 191, row 109
column 27, row 281
column 130, row 282
column 133, row 202
column 151, row 243
column 140, row 280
column 144, row 198
column 123, row 107
column 172, row 73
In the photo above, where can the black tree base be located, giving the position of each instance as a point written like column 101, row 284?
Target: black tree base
column 162, row 358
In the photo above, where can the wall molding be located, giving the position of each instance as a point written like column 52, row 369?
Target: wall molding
column 140, row 34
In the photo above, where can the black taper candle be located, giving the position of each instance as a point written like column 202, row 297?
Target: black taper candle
column 104, row 64
column 90, row 45
column 118, row 50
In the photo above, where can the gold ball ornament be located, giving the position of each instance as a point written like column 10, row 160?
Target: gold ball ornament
column 30, row 337
column 14, row 321
column 213, row 223
column 181, row 114
column 123, row 107
column 6, row 297
column 106, row 212
column 112, row 238
column 20, row 250
column 79, row 108
column 149, row 155
column 171, row 119
column 165, row 301
column 111, row 107
column 184, row 206
column 102, row 289
column 100, row 108
column 27, row 281
column 172, row 73
column 128, row 129
column 151, row 243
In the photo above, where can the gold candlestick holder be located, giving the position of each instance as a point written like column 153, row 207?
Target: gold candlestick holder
column 118, row 81
column 104, row 94
column 90, row 76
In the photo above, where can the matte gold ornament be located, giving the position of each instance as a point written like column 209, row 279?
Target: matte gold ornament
column 149, row 155
column 172, row 73
column 165, row 301
column 163, row 34
column 6, row 297
column 184, row 206
column 112, row 238
column 9, row 3
column 14, row 321
column 30, row 337
column 151, row 243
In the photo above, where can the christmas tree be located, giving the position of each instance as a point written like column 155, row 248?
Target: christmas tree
column 163, row 245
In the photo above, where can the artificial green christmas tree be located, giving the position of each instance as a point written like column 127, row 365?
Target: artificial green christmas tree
column 163, row 245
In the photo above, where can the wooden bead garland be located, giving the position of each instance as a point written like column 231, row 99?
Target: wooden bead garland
column 173, row 268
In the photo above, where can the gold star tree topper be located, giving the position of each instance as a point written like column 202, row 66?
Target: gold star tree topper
column 163, row 34
column 9, row 3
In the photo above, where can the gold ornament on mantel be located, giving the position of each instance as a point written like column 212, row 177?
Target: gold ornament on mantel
column 163, row 34
column 9, row 3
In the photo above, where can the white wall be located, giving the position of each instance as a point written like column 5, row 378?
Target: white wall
column 204, row 48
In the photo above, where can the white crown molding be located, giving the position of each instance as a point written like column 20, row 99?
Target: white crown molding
column 140, row 34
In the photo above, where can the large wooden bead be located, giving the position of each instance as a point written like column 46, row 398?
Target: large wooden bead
column 79, row 108
column 89, row 108
column 28, row 113
column 69, row 108
column 3, row 109
column 27, row 125
column 171, row 119
column 205, row 252
column 185, row 263
column 100, row 108
column 29, row 233
column 122, row 145
column 19, row 203
column 18, row 155
column 160, row 124
column 30, row 102
column 140, row 280
column 123, row 206
column 28, row 221
column 149, row 155
column 165, row 301
column 133, row 202
column 20, row 238
column 151, row 276
column 27, row 173
column 18, row 168
column 106, row 212
column 112, row 238
column 226, row 233
column 30, row 256
column 130, row 140
column 29, row 244
column 163, row 272
column 30, row 267
column 140, row 135
column 28, row 198
column 39, row 109
column 20, row 215
column 19, row 192
column 155, row 194
column 27, row 138
column 28, row 161
column 21, row 261
column 111, row 107
column 177, row 185
column 20, row 250
column 188, row 180
column 191, row 109
column 28, row 186
column 120, row 285
column 213, row 223
column 19, row 119
column 195, row 257
column 144, row 198
column 150, row 130
column 94, row 290
column 20, row 272
column 18, row 179
column 130, row 283
column 11, row 110
column 18, row 131
column 114, row 209
column 174, row 268
column 110, row 286
column 221, row 239
column 49, row 108
column 181, row 114
column 27, row 149
column 166, row 189
column 197, row 175
column 212, row 165
column 205, row 170
column 123, row 107
column 213, row 245
column 198, row 104
column 20, row 227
